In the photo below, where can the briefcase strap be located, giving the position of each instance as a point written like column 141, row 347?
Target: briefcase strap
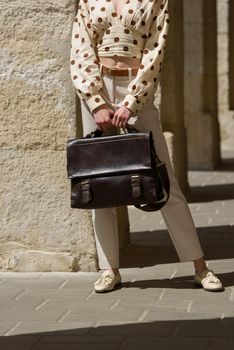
column 166, row 185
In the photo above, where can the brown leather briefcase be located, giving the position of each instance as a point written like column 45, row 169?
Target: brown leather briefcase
column 117, row 170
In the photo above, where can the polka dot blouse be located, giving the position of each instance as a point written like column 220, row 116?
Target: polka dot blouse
column 140, row 31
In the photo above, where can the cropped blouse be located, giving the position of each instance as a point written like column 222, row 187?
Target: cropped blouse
column 140, row 31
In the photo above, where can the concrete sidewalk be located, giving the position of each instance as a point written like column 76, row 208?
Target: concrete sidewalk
column 157, row 306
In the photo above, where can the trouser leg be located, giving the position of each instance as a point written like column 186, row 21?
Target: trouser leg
column 105, row 223
column 176, row 212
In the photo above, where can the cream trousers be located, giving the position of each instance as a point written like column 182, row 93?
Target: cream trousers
column 175, row 212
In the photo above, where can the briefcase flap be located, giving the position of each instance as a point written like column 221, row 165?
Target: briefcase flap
column 87, row 157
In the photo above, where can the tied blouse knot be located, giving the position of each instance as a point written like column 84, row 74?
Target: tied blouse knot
column 140, row 31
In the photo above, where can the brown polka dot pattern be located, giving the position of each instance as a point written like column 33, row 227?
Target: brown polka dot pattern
column 139, row 29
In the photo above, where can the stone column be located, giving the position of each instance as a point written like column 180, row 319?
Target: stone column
column 225, row 71
column 200, row 24
column 231, row 53
column 172, row 103
column 39, row 230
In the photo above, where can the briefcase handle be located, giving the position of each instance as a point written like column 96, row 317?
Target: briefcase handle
column 98, row 132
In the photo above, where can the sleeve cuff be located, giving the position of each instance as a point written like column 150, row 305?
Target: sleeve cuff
column 95, row 101
column 132, row 103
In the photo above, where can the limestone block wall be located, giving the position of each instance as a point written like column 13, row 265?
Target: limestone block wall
column 172, row 104
column 225, row 65
column 231, row 53
column 200, row 81
column 38, row 229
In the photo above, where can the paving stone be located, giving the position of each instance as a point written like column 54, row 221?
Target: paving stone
column 226, row 207
column 27, row 283
column 77, row 339
column 9, row 293
column 18, row 304
column 55, row 294
column 226, row 344
column 19, row 313
column 45, row 327
column 227, row 319
column 96, row 314
column 159, row 343
column 196, row 294
column 73, row 346
column 135, row 291
column 81, row 283
column 146, row 225
column 209, row 306
column 162, row 314
column 21, row 275
column 205, row 330
column 157, row 271
column 74, row 304
column 218, row 242
column 223, row 220
column 20, row 342
column 5, row 326
column 130, row 274
column 131, row 329
column 150, row 236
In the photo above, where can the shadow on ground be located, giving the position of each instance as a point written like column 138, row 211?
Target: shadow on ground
column 210, row 193
column 217, row 243
column 212, row 334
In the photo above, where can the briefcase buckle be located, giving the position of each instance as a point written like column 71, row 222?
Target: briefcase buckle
column 86, row 191
column 136, row 185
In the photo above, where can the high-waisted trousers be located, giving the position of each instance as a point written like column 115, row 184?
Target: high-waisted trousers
column 176, row 212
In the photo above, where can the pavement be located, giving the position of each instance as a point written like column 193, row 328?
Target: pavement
column 156, row 307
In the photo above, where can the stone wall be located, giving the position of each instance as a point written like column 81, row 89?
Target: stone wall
column 225, row 62
column 38, row 229
column 200, row 79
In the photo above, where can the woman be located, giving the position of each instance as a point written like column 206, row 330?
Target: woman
column 116, row 59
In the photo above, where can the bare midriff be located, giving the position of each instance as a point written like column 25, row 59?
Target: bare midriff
column 120, row 61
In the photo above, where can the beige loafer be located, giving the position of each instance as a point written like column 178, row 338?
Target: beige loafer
column 208, row 280
column 107, row 282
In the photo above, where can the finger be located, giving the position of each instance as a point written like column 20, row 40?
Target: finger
column 105, row 125
column 117, row 120
column 108, row 122
column 120, row 122
column 100, row 126
column 114, row 119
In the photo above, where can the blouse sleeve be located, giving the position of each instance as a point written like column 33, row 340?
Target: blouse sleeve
column 145, row 82
column 85, row 73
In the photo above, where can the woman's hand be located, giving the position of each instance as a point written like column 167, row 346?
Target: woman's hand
column 103, row 115
column 121, row 116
